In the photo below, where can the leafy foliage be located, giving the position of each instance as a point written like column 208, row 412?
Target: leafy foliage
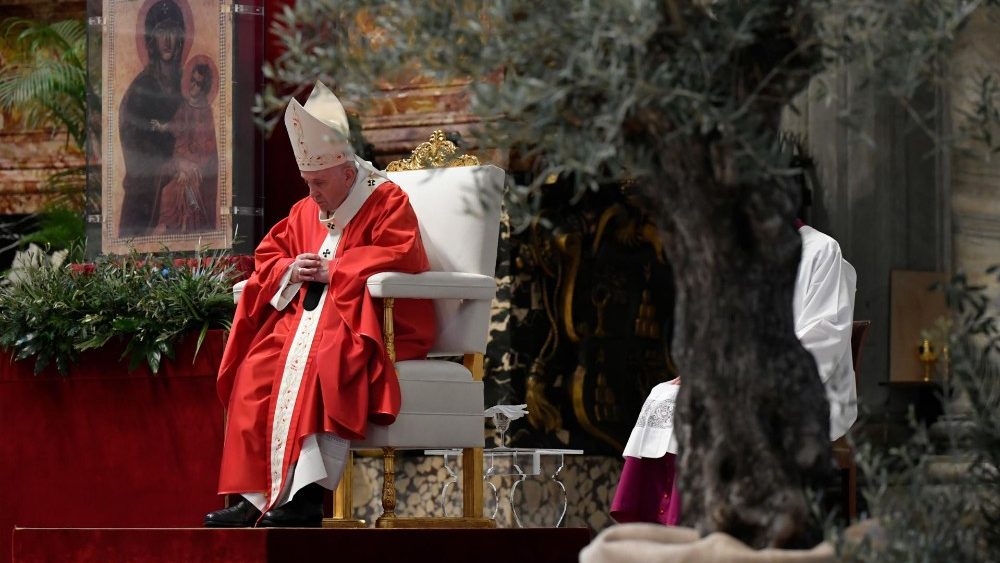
column 59, row 228
column 46, row 78
column 592, row 89
column 44, row 83
column 146, row 303
column 937, row 497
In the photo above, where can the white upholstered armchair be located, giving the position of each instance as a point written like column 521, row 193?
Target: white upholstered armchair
column 442, row 401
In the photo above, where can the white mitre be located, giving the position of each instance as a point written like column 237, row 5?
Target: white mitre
column 319, row 131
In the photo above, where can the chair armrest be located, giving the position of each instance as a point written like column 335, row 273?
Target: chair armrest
column 238, row 290
column 432, row 285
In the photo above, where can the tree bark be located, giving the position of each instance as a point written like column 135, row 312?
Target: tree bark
column 752, row 416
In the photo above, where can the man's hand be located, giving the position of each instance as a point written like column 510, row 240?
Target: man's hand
column 310, row 267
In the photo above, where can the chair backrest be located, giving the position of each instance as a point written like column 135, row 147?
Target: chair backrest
column 859, row 334
column 459, row 213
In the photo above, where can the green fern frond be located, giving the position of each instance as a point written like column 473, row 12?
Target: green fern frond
column 72, row 32
column 45, row 79
column 33, row 36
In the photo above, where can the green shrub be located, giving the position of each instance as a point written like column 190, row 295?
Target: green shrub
column 937, row 497
column 146, row 303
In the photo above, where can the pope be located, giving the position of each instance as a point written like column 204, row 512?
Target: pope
column 305, row 369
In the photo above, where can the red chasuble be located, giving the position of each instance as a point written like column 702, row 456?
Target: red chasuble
column 347, row 378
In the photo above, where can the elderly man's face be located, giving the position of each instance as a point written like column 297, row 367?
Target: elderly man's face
column 329, row 187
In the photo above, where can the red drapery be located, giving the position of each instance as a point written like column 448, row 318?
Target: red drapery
column 105, row 448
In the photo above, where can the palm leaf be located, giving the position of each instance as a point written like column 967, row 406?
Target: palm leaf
column 201, row 339
column 46, row 78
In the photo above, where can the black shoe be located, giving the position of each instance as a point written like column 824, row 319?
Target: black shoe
column 305, row 510
column 240, row 515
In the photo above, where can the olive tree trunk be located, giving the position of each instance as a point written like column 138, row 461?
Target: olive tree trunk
column 752, row 417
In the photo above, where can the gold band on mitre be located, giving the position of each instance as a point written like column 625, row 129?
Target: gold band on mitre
column 319, row 131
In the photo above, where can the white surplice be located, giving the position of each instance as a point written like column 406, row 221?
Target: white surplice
column 823, row 308
column 824, row 313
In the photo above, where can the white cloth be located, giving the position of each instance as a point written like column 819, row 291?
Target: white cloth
column 823, row 307
column 641, row 543
column 286, row 291
column 513, row 412
column 321, row 460
column 653, row 434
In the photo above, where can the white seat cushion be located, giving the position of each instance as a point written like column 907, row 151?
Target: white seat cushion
column 432, row 370
column 442, row 407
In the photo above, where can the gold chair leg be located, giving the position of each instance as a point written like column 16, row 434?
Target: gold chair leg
column 472, row 504
column 388, row 489
column 343, row 500
column 472, row 482
column 472, row 458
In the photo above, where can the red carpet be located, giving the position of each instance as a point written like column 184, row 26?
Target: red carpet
column 251, row 546
column 104, row 448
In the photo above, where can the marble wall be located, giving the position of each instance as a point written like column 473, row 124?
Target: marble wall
column 589, row 480
column 975, row 181
column 27, row 160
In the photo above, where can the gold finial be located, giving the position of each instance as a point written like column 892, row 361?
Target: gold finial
column 926, row 355
column 438, row 152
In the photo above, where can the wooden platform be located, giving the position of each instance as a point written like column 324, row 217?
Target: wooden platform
column 151, row 545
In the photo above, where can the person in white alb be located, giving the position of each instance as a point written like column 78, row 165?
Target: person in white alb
column 823, row 306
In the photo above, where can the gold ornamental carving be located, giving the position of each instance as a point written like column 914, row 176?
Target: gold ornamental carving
column 438, row 152
column 388, row 329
